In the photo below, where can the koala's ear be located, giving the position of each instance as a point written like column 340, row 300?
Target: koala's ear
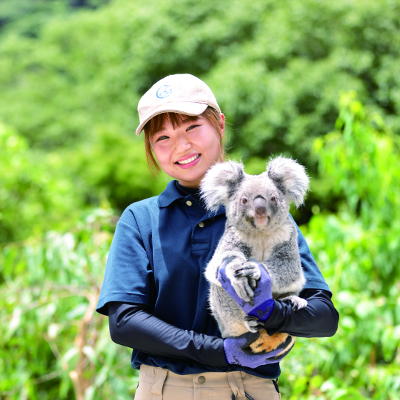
column 290, row 177
column 220, row 182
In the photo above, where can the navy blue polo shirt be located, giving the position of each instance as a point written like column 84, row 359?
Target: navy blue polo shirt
column 157, row 258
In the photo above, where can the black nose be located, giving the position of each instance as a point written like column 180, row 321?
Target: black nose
column 260, row 206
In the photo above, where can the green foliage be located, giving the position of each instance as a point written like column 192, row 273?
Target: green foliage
column 276, row 69
column 35, row 192
column 115, row 165
column 26, row 17
column 358, row 250
column 52, row 343
column 60, row 348
column 41, row 190
column 362, row 161
column 71, row 75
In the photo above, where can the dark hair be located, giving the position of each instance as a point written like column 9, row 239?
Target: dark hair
column 157, row 122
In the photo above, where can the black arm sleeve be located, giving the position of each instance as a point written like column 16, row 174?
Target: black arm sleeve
column 318, row 319
column 131, row 326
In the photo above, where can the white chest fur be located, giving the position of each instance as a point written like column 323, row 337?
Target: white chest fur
column 262, row 243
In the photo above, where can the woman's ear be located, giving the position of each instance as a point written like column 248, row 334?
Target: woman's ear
column 221, row 124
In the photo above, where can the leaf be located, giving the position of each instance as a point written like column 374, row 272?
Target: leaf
column 14, row 323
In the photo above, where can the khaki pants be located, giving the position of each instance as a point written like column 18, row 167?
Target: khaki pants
column 161, row 384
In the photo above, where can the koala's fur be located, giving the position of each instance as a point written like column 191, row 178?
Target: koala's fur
column 258, row 227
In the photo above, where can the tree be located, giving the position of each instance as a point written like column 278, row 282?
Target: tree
column 36, row 194
column 276, row 69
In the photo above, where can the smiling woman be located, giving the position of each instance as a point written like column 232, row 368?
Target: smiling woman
column 155, row 291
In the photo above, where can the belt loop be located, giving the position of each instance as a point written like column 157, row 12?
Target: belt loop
column 275, row 382
column 158, row 383
column 236, row 383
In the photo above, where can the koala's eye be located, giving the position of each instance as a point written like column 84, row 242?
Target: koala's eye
column 244, row 200
column 273, row 199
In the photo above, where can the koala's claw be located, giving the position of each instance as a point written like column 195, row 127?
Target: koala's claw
column 244, row 290
column 238, row 273
column 253, row 324
column 250, row 318
column 253, row 284
column 297, row 302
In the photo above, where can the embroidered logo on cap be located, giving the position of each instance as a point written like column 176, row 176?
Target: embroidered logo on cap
column 164, row 91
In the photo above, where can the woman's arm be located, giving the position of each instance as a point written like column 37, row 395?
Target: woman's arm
column 318, row 319
column 131, row 326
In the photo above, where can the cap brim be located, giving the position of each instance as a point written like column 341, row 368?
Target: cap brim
column 180, row 108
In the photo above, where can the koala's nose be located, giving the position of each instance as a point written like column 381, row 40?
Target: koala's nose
column 260, row 206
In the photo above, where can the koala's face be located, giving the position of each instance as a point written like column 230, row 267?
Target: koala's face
column 257, row 204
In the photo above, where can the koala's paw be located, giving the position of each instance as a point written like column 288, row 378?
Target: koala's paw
column 297, row 302
column 251, row 271
column 253, row 324
column 244, row 279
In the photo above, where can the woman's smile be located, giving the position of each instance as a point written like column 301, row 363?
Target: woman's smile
column 189, row 161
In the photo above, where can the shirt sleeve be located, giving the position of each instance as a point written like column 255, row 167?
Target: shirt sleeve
column 131, row 326
column 128, row 277
column 319, row 319
column 314, row 278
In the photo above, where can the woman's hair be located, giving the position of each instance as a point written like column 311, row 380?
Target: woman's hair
column 157, row 122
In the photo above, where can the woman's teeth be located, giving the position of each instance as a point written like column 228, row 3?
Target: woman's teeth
column 189, row 160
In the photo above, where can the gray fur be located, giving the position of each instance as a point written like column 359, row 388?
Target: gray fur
column 268, row 235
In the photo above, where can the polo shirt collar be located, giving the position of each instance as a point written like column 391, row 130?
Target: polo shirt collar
column 171, row 193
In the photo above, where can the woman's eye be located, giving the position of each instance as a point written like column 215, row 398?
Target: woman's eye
column 163, row 137
column 191, row 127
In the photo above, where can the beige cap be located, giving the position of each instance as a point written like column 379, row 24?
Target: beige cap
column 180, row 93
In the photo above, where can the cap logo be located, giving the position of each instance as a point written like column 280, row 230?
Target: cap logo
column 164, row 91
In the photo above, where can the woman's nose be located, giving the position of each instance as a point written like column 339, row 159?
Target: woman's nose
column 182, row 142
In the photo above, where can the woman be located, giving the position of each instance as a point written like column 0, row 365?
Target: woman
column 154, row 289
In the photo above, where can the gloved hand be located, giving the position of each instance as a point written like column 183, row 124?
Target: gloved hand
column 237, row 351
column 262, row 305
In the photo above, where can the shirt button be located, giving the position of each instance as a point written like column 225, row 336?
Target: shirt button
column 189, row 203
column 202, row 379
column 201, row 224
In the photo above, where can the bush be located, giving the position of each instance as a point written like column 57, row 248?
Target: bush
column 276, row 69
column 53, row 345
column 35, row 192
column 358, row 250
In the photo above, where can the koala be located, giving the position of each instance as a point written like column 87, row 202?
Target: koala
column 258, row 231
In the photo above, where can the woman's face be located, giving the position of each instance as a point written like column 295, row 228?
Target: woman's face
column 186, row 152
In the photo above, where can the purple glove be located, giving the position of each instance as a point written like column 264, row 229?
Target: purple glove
column 262, row 305
column 237, row 351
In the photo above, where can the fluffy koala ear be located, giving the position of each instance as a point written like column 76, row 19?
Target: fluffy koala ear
column 220, row 182
column 290, row 177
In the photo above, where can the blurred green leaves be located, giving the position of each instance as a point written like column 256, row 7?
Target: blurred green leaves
column 50, row 286
column 71, row 75
column 358, row 251
column 52, row 343
column 27, row 17
column 35, row 193
column 276, row 69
